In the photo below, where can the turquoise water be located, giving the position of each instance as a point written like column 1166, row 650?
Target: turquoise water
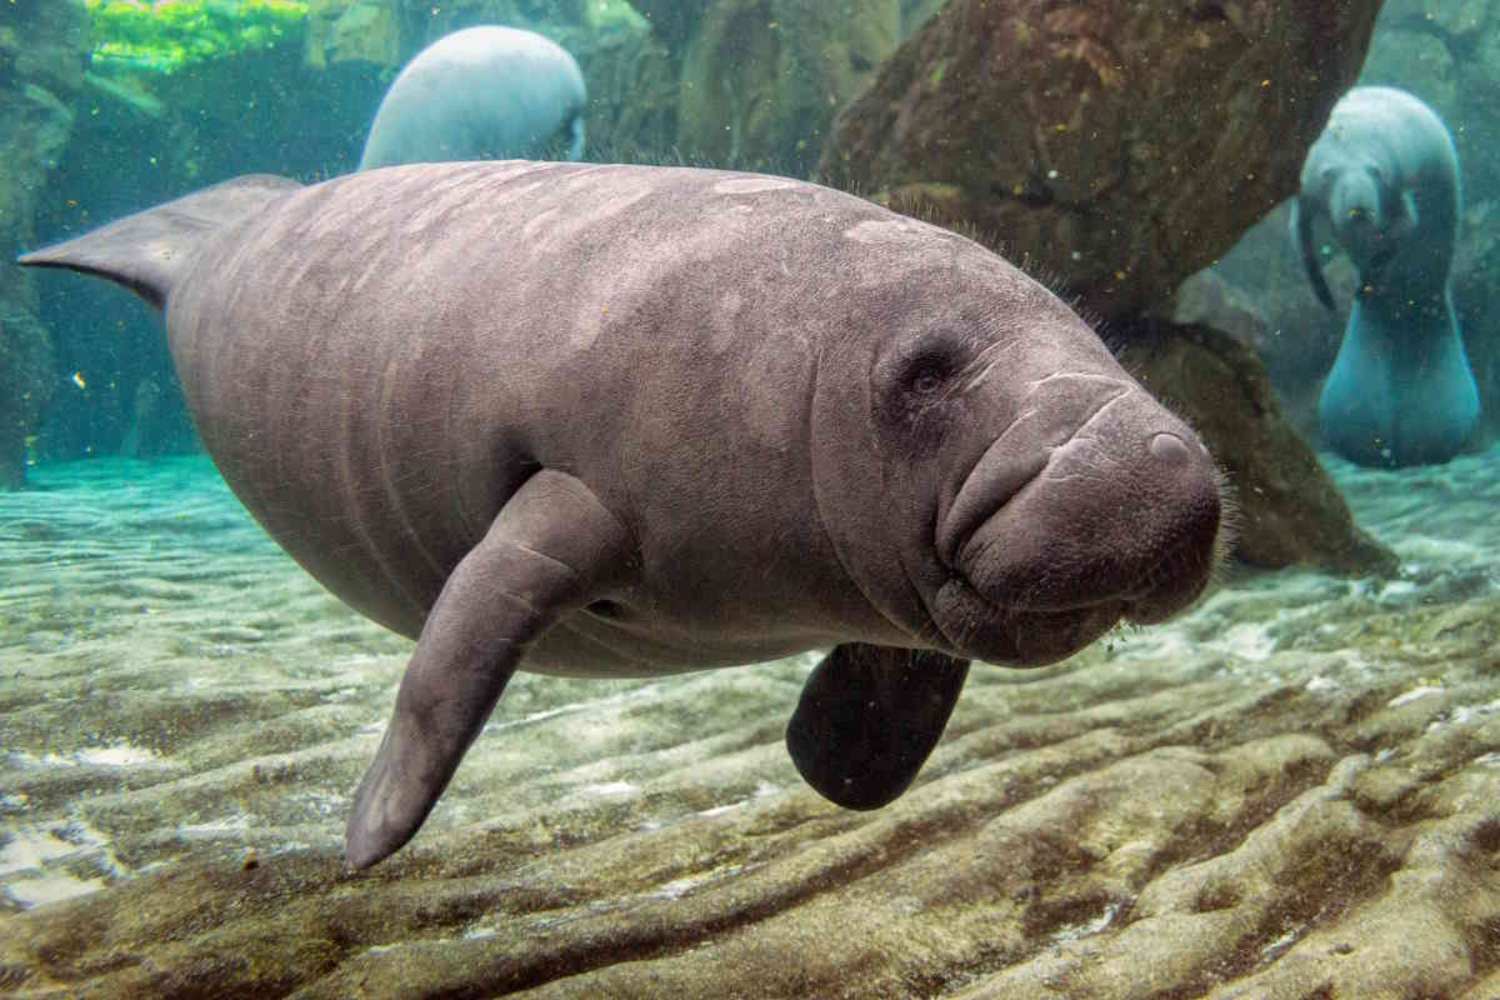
column 185, row 714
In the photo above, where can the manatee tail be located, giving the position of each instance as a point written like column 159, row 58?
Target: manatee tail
column 148, row 251
column 1302, row 234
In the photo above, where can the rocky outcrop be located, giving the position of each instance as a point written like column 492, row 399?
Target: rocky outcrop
column 1119, row 147
column 1293, row 791
column 25, row 386
column 353, row 30
column 43, row 44
column 760, row 80
column 674, row 22
column 1277, row 315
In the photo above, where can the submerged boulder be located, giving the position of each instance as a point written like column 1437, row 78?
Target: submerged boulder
column 1119, row 147
column 761, row 80
column 43, row 44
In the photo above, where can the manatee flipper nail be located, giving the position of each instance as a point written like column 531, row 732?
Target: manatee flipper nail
column 869, row 717
column 552, row 548
column 1302, row 234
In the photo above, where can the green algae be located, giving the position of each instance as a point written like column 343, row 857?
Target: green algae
column 165, row 36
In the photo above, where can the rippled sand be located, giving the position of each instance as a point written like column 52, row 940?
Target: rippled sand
column 1268, row 795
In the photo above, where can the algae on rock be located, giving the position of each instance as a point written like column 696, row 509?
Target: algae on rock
column 1091, row 136
column 761, row 80
column 41, row 70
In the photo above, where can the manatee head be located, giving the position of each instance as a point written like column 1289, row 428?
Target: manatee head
column 1354, row 199
column 992, row 478
column 1357, row 210
column 1358, row 185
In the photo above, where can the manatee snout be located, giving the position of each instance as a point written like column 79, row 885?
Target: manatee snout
column 1358, row 216
column 1064, row 530
column 1355, row 200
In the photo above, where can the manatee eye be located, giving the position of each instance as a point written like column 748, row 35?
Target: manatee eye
column 916, row 388
column 927, row 381
column 928, row 373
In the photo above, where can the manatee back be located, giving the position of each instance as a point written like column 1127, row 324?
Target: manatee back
column 486, row 93
column 381, row 360
column 378, row 362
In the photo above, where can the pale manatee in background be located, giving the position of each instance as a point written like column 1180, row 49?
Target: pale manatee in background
column 629, row 421
column 1383, row 177
column 486, row 93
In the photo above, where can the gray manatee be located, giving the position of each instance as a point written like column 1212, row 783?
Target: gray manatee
column 1384, row 178
column 629, row 421
column 486, row 93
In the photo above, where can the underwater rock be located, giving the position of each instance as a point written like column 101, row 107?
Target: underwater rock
column 38, row 78
column 1289, row 510
column 1292, row 791
column 916, row 13
column 1118, row 147
column 762, row 79
column 1298, row 338
column 1460, row 20
column 632, row 86
column 1416, row 55
column 1295, row 364
column 352, row 31
column 674, row 22
column 25, row 387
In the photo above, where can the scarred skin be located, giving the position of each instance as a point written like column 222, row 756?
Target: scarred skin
column 613, row 420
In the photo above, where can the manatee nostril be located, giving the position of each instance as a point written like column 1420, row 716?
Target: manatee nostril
column 1170, row 449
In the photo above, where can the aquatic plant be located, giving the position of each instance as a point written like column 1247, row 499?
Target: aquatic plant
column 164, row 36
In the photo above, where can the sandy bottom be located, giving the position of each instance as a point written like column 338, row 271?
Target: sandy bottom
column 178, row 696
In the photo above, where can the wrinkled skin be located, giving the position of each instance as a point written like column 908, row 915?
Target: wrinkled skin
column 629, row 421
column 1383, row 178
column 485, row 93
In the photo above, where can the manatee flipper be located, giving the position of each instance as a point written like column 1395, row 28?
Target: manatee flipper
column 1302, row 234
column 868, row 718
column 1409, row 217
column 553, row 548
column 1403, row 222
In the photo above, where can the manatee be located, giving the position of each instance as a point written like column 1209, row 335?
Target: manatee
column 628, row 421
column 486, row 93
column 1383, row 177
